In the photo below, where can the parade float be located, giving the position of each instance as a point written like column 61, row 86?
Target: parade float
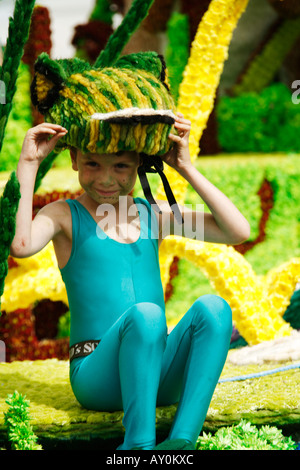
column 245, row 140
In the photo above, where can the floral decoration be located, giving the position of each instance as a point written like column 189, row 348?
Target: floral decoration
column 257, row 302
column 197, row 91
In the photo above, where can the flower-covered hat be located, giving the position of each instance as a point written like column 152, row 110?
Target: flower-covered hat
column 125, row 107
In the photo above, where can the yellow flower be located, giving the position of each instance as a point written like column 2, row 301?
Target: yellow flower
column 256, row 305
column 35, row 278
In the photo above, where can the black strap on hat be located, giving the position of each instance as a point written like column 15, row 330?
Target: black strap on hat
column 150, row 161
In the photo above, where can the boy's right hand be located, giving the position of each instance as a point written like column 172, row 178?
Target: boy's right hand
column 37, row 145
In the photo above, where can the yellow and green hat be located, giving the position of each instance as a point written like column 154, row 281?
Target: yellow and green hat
column 125, row 107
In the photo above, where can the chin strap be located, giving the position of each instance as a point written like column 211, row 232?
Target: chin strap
column 150, row 161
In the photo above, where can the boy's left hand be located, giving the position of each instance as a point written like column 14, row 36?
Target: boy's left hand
column 179, row 156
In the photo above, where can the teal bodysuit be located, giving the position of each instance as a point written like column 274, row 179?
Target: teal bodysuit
column 115, row 295
column 104, row 277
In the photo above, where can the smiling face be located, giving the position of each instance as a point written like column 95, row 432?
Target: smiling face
column 106, row 177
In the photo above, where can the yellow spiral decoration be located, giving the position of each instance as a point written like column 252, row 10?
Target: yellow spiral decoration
column 257, row 302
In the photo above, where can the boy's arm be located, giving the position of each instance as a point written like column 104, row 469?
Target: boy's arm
column 31, row 236
column 225, row 224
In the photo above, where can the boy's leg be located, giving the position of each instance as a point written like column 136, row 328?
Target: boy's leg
column 124, row 370
column 193, row 361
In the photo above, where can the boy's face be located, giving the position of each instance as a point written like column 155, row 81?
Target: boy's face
column 106, row 177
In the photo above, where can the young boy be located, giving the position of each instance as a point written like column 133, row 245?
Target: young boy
column 121, row 355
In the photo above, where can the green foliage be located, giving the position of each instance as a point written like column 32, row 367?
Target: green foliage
column 282, row 230
column 64, row 326
column 245, row 436
column 9, row 203
column 264, row 67
column 239, row 181
column 19, row 121
column 102, row 12
column 137, row 12
column 17, row 422
column 259, row 122
column 292, row 313
column 44, row 167
column 190, row 284
column 177, row 51
column 17, row 37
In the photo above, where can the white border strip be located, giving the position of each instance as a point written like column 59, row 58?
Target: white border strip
column 130, row 112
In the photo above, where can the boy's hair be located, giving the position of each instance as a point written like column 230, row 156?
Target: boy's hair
column 74, row 149
column 118, row 154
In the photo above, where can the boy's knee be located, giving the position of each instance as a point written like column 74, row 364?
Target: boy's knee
column 147, row 319
column 213, row 311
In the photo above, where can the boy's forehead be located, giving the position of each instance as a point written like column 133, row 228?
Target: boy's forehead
column 109, row 156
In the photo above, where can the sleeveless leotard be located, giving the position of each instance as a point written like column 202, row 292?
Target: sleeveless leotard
column 116, row 296
column 104, row 277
